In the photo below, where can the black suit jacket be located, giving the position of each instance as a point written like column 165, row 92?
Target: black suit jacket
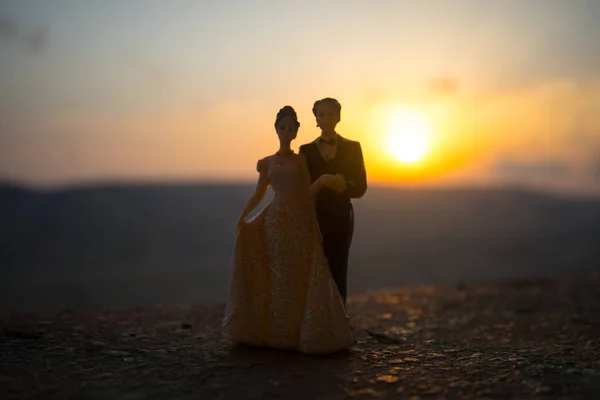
column 348, row 162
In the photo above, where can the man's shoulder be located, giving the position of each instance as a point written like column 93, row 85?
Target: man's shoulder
column 307, row 145
column 353, row 143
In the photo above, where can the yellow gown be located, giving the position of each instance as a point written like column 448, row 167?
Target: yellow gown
column 282, row 294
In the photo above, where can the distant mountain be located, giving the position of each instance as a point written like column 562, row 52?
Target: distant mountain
column 127, row 245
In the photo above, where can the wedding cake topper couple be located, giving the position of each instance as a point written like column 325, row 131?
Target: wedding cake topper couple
column 289, row 277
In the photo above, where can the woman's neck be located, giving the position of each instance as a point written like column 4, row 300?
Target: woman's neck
column 284, row 149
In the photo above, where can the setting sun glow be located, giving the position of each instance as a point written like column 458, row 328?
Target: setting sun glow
column 408, row 136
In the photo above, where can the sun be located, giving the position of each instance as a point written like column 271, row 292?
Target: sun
column 408, row 136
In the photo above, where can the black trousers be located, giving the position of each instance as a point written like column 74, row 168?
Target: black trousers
column 337, row 229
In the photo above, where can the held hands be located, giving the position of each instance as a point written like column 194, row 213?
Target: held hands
column 336, row 182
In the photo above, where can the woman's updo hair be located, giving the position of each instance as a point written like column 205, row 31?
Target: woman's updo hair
column 287, row 111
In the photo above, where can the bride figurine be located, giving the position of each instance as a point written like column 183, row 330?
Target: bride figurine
column 282, row 294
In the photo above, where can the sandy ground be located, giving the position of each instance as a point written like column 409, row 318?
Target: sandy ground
column 534, row 339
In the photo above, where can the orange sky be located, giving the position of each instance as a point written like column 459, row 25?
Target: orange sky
column 189, row 92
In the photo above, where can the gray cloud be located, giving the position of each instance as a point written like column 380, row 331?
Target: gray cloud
column 38, row 39
column 443, row 86
column 33, row 39
column 150, row 72
column 507, row 168
column 8, row 28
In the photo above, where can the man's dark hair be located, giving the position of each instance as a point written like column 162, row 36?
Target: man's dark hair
column 331, row 100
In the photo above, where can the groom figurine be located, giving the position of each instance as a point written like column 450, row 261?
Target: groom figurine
column 332, row 154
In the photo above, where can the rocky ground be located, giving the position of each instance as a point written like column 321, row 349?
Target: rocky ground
column 534, row 339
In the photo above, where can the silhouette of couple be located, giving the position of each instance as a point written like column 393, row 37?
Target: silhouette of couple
column 288, row 284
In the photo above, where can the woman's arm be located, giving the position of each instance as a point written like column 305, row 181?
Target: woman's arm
column 326, row 180
column 318, row 184
column 259, row 192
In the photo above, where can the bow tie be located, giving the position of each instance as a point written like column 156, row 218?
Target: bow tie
column 330, row 142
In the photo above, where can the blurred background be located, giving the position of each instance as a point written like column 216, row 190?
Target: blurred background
column 130, row 131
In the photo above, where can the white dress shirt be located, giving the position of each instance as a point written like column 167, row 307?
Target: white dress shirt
column 327, row 151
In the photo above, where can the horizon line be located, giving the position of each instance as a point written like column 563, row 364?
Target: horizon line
column 190, row 182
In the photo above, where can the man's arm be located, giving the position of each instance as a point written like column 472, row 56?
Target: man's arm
column 356, row 183
column 302, row 150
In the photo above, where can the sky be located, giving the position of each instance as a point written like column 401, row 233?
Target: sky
column 130, row 90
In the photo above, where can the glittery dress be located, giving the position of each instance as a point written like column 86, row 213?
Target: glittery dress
column 282, row 294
